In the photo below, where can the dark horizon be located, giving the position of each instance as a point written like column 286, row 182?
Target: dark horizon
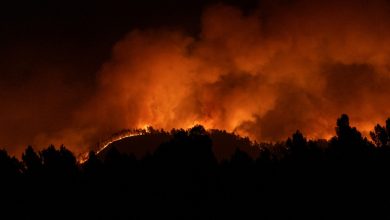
column 199, row 109
column 182, row 178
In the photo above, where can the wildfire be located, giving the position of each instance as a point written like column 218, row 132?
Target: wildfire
column 268, row 73
column 113, row 138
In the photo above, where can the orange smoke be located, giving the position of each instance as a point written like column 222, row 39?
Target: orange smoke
column 265, row 73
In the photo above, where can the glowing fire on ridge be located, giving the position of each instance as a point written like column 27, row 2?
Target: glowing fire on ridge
column 265, row 75
column 115, row 137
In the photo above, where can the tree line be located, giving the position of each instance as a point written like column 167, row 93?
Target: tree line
column 346, row 176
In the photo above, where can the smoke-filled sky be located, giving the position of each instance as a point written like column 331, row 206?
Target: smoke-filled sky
column 75, row 72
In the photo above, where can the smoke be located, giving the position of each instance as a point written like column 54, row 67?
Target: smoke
column 262, row 73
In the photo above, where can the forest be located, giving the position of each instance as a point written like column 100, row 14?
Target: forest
column 185, row 178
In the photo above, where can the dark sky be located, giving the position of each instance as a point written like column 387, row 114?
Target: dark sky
column 51, row 52
column 75, row 72
column 79, row 35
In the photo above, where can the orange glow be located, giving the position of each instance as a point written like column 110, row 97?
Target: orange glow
column 262, row 74
column 115, row 137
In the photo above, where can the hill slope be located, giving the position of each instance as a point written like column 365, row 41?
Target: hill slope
column 224, row 144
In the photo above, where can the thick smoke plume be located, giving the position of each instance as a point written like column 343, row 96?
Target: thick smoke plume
column 262, row 73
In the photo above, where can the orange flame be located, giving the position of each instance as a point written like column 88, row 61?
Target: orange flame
column 268, row 72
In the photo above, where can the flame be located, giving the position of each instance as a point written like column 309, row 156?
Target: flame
column 284, row 66
column 115, row 137
column 259, row 76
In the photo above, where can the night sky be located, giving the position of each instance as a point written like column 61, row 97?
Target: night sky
column 79, row 36
column 57, row 47
column 75, row 72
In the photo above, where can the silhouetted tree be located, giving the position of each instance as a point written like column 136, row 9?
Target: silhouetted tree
column 60, row 162
column 349, row 141
column 10, row 167
column 181, row 179
column 298, row 143
column 32, row 162
column 379, row 136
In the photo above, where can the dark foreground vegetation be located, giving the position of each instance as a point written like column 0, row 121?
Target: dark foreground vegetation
column 346, row 177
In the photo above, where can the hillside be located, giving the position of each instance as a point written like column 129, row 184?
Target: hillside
column 224, row 144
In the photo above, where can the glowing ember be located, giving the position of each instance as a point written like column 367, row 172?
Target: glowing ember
column 115, row 137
